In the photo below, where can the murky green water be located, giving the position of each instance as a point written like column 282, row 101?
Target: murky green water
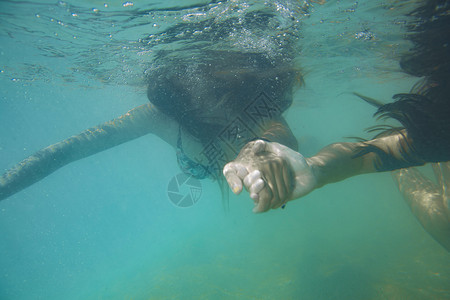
column 104, row 228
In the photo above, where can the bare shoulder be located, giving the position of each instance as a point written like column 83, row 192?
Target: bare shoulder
column 153, row 120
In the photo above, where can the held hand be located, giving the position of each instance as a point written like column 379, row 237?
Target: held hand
column 272, row 173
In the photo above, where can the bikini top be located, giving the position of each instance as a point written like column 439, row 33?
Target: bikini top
column 187, row 165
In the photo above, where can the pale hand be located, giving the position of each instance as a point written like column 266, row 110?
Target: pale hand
column 272, row 173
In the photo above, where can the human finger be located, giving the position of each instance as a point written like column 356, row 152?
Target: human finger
column 255, row 188
column 231, row 171
column 277, row 185
column 289, row 178
column 251, row 178
column 266, row 195
column 284, row 182
column 263, row 202
column 259, row 146
column 252, row 183
column 271, row 171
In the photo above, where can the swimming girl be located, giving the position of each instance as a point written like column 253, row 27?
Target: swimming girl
column 205, row 106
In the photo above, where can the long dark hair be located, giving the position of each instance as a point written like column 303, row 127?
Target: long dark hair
column 205, row 91
column 425, row 111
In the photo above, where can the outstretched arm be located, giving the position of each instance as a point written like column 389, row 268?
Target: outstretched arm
column 264, row 167
column 135, row 123
column 339, row 161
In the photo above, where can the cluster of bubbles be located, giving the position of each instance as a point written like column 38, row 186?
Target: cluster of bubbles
column 348, row 39
column 115, row 43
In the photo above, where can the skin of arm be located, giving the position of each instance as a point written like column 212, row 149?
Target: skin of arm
column 428, row 201
column 137, row 122
column 142, row 120
column 274, row 174
column 340, row 161
column 333, row 163
column 278, row 131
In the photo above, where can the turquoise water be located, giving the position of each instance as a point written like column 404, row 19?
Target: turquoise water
column 104, row 228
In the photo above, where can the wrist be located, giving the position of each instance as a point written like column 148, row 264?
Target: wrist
column 305, row 178
column 316, row 170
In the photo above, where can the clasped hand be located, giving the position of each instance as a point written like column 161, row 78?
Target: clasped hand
column 273, row 174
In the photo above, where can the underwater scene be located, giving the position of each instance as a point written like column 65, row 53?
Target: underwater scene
column 127, row 218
